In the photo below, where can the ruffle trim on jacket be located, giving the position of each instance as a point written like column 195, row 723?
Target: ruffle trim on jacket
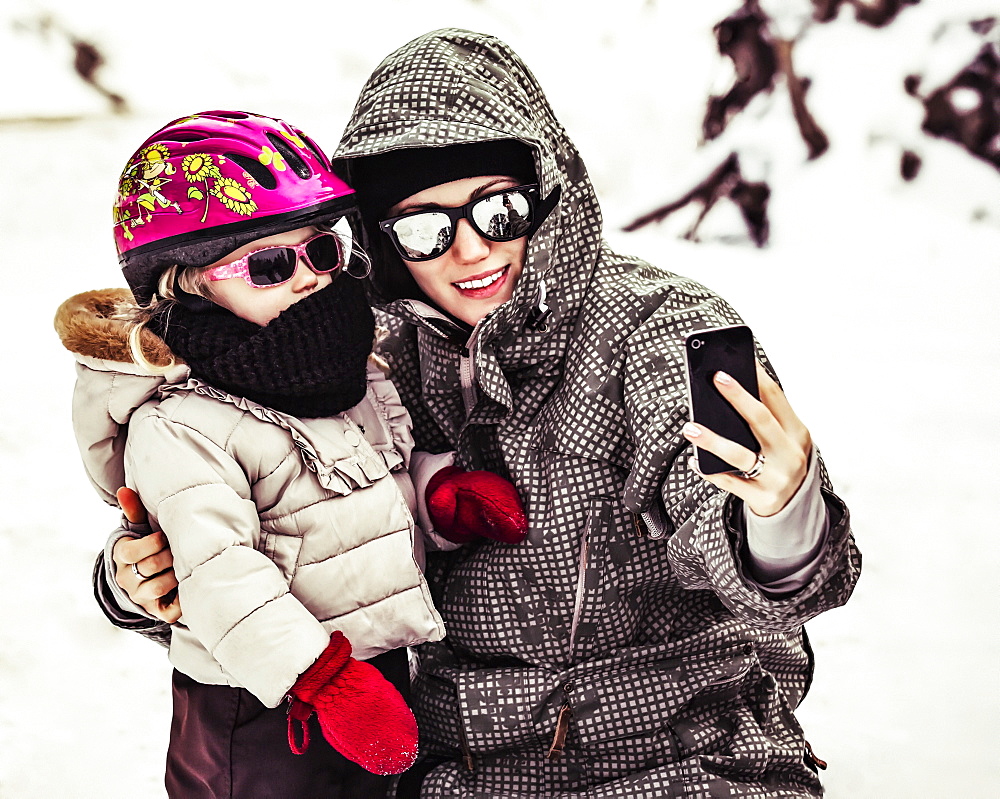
column 384, row 397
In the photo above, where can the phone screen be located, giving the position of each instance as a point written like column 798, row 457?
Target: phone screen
column 725, row 349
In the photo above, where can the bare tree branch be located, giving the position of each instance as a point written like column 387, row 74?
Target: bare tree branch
column 725, row 181
column 815, row 139
column 87, row 58
column 742, row 37
column 877, row 14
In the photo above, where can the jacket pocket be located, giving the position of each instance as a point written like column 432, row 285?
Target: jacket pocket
column 740, row 724
column 282, row 549
column 590, row 600
column 665, row 710
column 607, row 602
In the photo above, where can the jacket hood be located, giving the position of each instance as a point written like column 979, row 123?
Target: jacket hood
column 88, row 327
column 454, row 86
column 110, row 386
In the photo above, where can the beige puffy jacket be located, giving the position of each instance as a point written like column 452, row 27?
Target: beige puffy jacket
column 282, row 529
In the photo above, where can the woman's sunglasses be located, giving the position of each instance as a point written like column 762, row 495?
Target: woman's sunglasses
column 272, row 266
column 502, row 215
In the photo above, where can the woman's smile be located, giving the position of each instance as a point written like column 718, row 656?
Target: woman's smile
column 483, row 285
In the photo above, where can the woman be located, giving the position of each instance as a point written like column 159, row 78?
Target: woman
column 646, row 639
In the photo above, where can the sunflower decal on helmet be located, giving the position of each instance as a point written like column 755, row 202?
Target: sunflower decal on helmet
column 232, row 194
column 145, row 191
column 199, row 167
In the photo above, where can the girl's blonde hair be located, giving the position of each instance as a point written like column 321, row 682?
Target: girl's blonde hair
column 137, row 318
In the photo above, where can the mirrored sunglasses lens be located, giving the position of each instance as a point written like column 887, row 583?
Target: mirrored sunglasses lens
column 324, row 253
column 424, row 235
column 503, row 217
column 271, row 266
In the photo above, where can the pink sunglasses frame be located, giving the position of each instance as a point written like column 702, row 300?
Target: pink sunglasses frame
column 241, row 266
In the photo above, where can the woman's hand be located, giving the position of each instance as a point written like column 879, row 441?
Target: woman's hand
column 785, row 444
column 154, row 587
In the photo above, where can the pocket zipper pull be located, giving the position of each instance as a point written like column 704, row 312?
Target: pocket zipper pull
column 562, row 728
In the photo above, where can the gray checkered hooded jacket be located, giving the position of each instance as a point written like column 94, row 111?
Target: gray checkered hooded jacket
column 620, row 650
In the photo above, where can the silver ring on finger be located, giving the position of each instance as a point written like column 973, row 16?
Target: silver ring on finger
column 137, row 573
column 756, row 469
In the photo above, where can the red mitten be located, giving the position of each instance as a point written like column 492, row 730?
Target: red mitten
column 361, row 713
column 463, row 505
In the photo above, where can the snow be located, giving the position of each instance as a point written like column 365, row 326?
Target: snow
column 875, row 299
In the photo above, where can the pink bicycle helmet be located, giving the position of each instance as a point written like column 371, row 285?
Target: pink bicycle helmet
column 205, row 185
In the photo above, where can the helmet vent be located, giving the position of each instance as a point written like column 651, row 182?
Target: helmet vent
column 294, row 160
column 256, row 169
column 186, row 136
column 229, row 114
column 315, row 150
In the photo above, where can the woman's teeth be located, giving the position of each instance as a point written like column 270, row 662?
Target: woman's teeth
column 482, row 283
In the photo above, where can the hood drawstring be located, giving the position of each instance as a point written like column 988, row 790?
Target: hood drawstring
column 538, row 315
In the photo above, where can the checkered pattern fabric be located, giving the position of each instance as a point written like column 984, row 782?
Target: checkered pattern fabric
column 679, row 677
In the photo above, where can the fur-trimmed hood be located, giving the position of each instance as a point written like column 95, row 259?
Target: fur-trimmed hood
column 89, row 325
column 110, row 385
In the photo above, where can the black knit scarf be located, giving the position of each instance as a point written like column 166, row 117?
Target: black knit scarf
column 309, row 361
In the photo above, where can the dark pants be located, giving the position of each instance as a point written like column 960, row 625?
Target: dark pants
column 225, row 743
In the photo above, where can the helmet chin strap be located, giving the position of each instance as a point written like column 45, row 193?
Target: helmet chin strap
column 193, row 302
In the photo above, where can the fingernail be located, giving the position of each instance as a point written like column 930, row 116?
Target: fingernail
column 722, row 377
column 690, row 430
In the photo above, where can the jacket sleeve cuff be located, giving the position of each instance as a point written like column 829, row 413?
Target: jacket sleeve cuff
column 785, row 549
column 119, row 605
column 423, row 466
column 153, row 629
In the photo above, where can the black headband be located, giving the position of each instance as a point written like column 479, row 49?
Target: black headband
column 381, row 181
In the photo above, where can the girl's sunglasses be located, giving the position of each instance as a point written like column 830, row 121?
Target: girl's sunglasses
column 272, row 266
column 502, row 215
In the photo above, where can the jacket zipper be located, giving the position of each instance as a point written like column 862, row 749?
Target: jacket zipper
column 467, row 759
column 566, row 711
column 581, row 585
column 467, row 372
column 467, row 376
column 647, row 525
column 463, row 739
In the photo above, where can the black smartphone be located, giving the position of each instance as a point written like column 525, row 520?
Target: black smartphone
column 720, row 349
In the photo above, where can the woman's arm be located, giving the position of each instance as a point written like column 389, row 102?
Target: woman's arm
column 736, row 541
column 783, row 550
column 702, row 519
column 117, row 589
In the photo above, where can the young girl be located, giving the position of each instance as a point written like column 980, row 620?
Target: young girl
column 265, row 455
